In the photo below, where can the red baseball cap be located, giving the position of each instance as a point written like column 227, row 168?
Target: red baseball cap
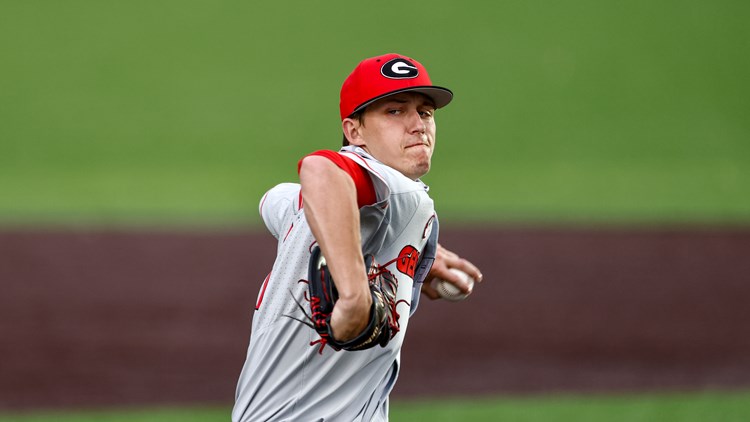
column 385, row 75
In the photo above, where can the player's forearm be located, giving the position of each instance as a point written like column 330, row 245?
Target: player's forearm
column 330, row 205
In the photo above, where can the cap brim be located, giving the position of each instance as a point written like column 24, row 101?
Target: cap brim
column 441, row 96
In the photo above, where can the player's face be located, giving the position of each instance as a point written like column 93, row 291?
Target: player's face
column 399, row 131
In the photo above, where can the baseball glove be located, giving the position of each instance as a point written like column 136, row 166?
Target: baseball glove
column 384, row 319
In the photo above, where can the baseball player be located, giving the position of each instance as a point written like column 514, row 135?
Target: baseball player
column 364, row 200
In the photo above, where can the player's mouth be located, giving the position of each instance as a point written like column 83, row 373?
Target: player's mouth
column 418, row 148
column 422, row 142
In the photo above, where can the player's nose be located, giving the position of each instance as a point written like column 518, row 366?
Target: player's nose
column 415, row 122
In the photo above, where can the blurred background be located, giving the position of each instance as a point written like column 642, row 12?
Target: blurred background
column 594, row 163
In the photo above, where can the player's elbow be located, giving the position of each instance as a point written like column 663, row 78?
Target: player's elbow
column 320, row 171
column 315, row 167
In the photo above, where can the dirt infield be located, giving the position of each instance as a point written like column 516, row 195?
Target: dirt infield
column 117, row 318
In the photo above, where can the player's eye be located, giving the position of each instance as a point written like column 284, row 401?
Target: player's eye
column 426, row 113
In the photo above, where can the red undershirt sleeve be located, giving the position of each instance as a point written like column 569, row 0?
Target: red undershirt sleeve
column 360, row 176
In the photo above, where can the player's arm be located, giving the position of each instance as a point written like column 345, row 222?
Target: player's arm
column 330, row 202
column 444, row 260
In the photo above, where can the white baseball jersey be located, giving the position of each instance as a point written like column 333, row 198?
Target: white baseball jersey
column 285, row 378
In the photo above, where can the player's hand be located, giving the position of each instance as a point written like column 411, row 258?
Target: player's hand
column 350, row 316
column 444, row 260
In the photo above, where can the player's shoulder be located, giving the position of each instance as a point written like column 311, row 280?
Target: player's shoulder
column 332, row 156
column 382, row 171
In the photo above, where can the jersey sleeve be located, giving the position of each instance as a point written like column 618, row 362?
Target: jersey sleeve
column 361, row 177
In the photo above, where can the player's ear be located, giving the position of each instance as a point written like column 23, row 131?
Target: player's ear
column 352, row 131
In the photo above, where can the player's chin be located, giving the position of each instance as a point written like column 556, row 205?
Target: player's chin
column 420, row 153
column 418, row 161
column 419, row 169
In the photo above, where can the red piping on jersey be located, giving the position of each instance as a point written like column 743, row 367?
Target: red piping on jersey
column 262, row 202
column 364, row 162
column 287, row 232
column 262, row 292
column 427, row 225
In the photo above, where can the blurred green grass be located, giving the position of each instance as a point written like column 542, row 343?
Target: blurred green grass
column 185, row 112
column 683, row 407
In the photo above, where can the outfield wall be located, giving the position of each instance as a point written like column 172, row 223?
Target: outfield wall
column 94, row 318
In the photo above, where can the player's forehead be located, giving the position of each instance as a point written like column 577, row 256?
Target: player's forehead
column 416, row 98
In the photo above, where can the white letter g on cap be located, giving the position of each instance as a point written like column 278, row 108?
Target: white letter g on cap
column 399, row 69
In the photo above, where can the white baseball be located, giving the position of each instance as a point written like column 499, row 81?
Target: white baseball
column 448, row 291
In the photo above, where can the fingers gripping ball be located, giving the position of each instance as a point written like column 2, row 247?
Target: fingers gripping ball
column 448, row 291
column 384, row 318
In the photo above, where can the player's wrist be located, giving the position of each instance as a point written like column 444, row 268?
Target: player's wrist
column 355, row 304
column 355, row 293
column 350, row 317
